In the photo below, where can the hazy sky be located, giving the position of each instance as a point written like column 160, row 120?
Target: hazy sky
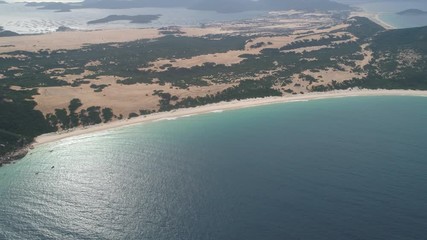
column 176, row 0
column 42, row 0
column 346, row 1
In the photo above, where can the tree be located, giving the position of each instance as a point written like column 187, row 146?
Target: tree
column 62, row 116
column 107, row 114
column 132, row 115
column 94, row 115
column 74, row 105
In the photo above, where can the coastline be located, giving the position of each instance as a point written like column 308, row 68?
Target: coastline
column 78, row 39
column 381, row 22
column 219, row 107
column 375, row 17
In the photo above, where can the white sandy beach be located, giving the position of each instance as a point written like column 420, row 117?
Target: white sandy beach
column 375, row 17
column 74, row 39
column 223, row 106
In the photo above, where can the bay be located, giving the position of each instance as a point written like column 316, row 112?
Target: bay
column 348, row 168
column 29, row 20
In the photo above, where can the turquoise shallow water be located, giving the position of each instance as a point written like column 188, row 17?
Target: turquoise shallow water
column 351, row 168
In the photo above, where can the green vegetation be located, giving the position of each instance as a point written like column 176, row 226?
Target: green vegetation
column 363, row 28
column 313, row 43
column 63, row 119
column 32, row 71
column 98, row 88
column 399, row 61
column 246, row 89
column 19, row 122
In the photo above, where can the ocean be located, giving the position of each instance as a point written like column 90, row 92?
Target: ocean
column 388, row 10
column 347, row 168
column 29, row 20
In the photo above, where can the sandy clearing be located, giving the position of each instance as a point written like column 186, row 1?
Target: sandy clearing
column 307, row 49
column 15, row 88
column 318, row 37
column 233, row 57
column 123, row 99
column 325, row 77
column 56, row 71
column 14, row 69
column 200, row 32
column 93, row 64
column 325, row 30
column 298, row 85
column 228, row 58
column 368, row 56
column 74, row 39
column 17, row 56
column 70, row 78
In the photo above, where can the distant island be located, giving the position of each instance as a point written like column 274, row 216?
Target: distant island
column 59, row 7
column 64, row 29
column 6, row 33
column 3, row 2
column 63, row 10
column 412, row 12
column 132, row 19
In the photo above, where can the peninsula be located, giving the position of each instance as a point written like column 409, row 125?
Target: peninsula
column 132, row 19
column 66, row 80
column 412, row 12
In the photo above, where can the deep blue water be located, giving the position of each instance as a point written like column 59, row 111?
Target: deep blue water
column 351, row 168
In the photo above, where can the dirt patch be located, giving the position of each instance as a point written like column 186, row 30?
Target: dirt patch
column 367, row 54
column 329, row 75
column 228, row 58
column 123, row 99
column 200, row 32
column 70, row 78
column 74, row 39
column 93, row 64
column 18, row 56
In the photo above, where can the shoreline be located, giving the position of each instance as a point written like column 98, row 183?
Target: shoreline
column 375, row 17
column 106, row 36
column 220, row 107
column 383, row 23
